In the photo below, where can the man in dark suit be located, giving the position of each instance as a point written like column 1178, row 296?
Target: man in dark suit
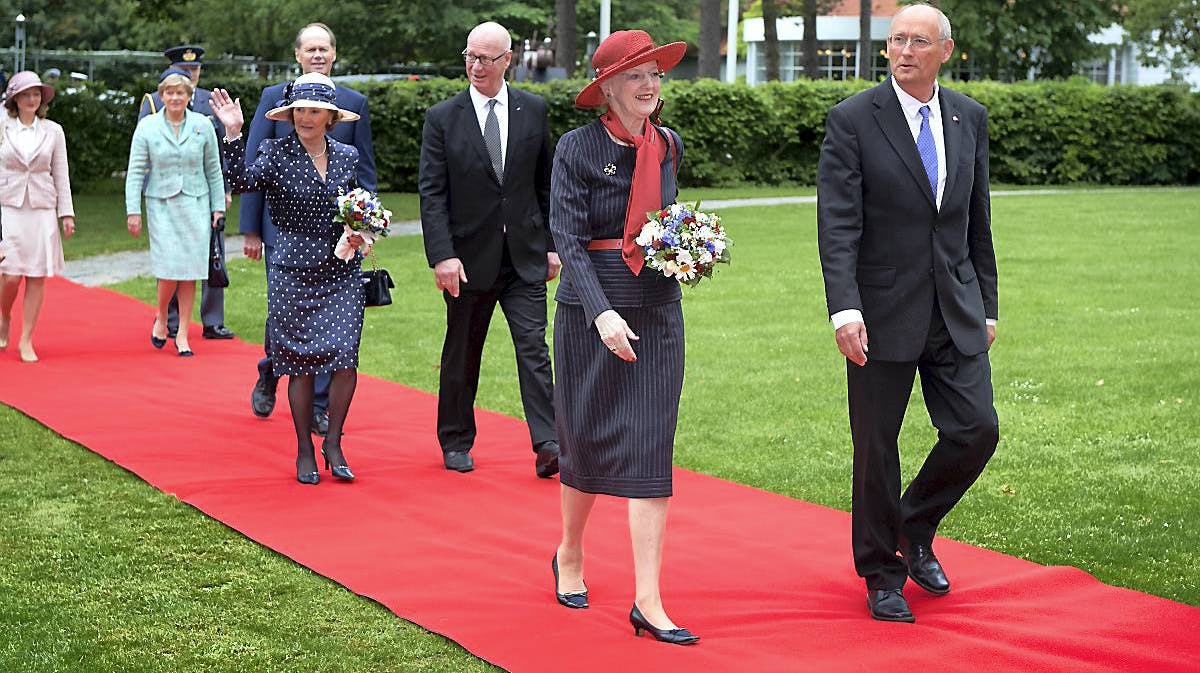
column 186, row 58
column 906, row 248
column 316, row 50
column 485, row 202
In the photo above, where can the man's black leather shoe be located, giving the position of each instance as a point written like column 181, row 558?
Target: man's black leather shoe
column 888, row 605
column 217, row 332
column 459, row 461
column 320, row 423
column 925, row 569
column 547, row 459
column 262, row 398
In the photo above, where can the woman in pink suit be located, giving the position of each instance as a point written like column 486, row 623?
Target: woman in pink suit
column 35, row 193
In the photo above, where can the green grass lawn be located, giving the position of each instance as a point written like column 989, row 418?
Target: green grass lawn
column 1097, row 380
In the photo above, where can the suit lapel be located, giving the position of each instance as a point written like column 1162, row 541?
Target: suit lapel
column 468, row 125
column 890, row 117
column 517, row 120
column 952, row 137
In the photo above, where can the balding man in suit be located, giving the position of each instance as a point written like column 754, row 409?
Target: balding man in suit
column 906, row 247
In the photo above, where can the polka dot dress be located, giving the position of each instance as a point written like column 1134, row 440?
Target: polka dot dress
column 315, row 302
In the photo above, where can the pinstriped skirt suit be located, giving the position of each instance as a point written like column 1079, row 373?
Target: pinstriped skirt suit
column 615, row 420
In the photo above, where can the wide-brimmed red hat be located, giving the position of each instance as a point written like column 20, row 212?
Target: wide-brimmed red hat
column 621, row 51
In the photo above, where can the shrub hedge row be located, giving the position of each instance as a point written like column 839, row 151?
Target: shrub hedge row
column 1041, row 132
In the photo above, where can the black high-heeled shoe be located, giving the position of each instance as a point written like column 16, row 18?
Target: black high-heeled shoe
column 341, row 472
column 155, row 341
column 576, row 599
column 673, row 636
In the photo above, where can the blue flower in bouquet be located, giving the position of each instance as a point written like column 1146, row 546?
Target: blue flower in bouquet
column 684, row 243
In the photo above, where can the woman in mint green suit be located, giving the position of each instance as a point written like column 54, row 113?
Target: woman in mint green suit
column 176, row 157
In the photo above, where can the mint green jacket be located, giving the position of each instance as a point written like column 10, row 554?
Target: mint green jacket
column 168, row 165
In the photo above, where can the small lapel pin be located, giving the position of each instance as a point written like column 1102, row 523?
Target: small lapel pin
column 955, row 118
column 610, row 169
column 517, row 109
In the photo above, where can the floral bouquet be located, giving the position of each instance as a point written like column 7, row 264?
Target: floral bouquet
column 360, row 212
column 683, row 242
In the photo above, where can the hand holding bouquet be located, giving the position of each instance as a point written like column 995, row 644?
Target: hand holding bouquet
column 683, row 242
column 361, row 213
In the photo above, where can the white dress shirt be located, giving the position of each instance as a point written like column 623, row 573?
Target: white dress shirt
column 480, row 102
column 912, row 114
column 25, row 138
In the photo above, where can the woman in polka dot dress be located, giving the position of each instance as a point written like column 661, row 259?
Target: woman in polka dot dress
column 314, row 300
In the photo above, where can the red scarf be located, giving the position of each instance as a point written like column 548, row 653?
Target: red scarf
column 645, row 194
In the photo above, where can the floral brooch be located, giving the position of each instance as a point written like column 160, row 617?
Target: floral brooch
column 610, row 169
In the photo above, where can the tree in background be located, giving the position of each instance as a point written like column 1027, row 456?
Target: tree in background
column 1168, row 31
column 770, row 14
column 565, row 35
column 710, row 38
column 864, row 40
column 1009, row 39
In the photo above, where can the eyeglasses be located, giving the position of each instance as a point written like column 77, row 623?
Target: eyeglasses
column 899, row 42
column 485, row 61
column 639, row 77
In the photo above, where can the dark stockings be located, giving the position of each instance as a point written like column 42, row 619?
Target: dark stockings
column 341, row 391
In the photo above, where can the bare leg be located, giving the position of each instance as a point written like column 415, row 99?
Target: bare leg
column 341, row 392
column 186, row 292
column 35, row 293
column 300, row 397
column 9, row 285
column 166, row 289
column 647, row 525
column 576, row 507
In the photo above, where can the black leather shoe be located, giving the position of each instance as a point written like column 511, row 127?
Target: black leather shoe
column 888, row 605
column 171, row 333
column 673, row 636
column 262, row 398
column 459, row 461
column 320, row 423
column 341, row 472
column 925, row 569
column 217, row 332
column 547, row 459
column 310, row 478
column 574, row 599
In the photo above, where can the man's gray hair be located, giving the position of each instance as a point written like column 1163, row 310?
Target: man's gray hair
column 943, row 21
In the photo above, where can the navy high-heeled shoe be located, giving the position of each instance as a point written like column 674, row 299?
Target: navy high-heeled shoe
column 341, row 472
column 155, row 341
column 673, row 636
column 311, row 478
column 577, row 600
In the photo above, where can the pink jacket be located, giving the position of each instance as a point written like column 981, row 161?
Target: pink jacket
column 42, row 177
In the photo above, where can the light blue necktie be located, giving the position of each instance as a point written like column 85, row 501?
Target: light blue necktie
column 928, row 151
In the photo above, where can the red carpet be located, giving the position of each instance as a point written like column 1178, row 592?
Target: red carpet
column 468, row 556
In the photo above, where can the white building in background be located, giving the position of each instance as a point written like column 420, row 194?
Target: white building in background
column 1123, row 67
column 838, row 50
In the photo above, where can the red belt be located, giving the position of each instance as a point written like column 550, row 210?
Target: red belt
column 605, row 244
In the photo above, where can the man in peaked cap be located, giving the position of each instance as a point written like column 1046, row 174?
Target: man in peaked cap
column 186, row 60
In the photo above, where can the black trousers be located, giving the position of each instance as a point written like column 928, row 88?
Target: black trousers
column 467, row 319
column 958, row 396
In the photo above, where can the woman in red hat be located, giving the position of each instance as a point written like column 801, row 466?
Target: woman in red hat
column 618, row 327
column 37, row 196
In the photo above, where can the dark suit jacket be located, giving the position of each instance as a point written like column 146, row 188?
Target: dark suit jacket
column 885, row 247
column 465, row 211
column 253, row 218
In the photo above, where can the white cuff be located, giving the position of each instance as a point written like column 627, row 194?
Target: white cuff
column 843, row 318
column 990, row 321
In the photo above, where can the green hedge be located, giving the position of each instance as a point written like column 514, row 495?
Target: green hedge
column 1041, row 132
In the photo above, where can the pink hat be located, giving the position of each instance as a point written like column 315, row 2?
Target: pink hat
column 27, row 79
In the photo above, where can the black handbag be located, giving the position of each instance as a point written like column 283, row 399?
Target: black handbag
column 377, row 285
column 217, row 275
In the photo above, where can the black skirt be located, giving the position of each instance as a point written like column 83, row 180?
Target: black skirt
column 615, row 419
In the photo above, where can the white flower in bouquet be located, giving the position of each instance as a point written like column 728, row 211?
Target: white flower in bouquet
column 360, row 212
column 684, row 243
